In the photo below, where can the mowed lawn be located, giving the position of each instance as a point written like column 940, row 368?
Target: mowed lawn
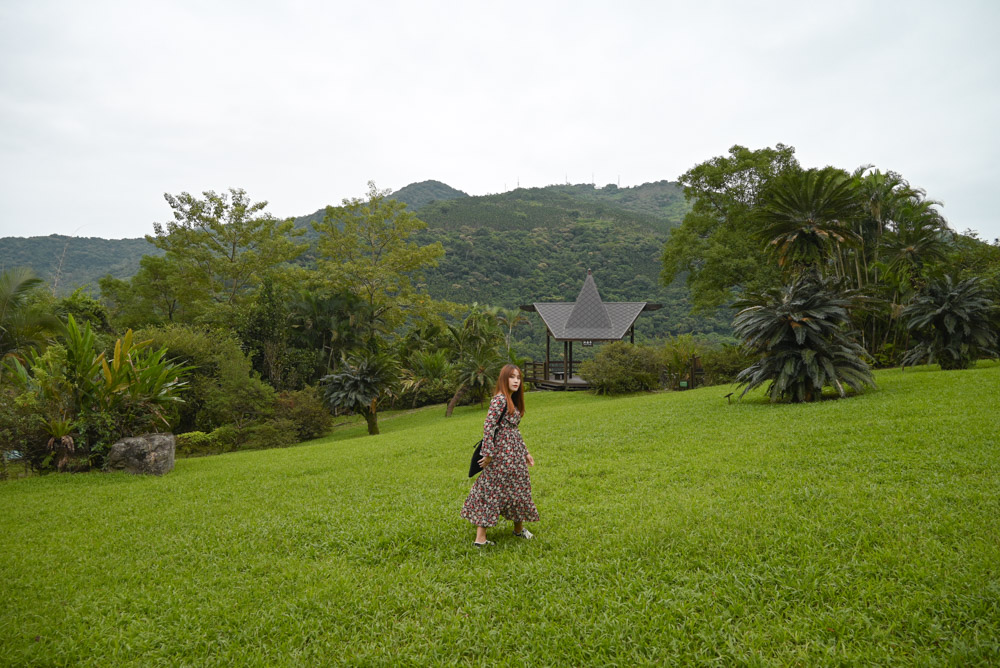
column 676, row 529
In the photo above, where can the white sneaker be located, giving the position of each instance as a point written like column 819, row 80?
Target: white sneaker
column 525, row 534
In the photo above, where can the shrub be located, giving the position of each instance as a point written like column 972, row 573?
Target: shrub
column 194, row 443
column 954, row 321
column 307, row 411
column 222, row 388
column 271, row 434
column 722, row 364
column 619, row 367
column 800, row 332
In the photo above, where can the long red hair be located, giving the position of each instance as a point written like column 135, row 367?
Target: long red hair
column 503, row 387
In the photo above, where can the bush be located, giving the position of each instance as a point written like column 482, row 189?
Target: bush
column 307, row 411
column 619, row 367
column 271, row 434
column 194, row 443
column 724, row 363
column 222, row 390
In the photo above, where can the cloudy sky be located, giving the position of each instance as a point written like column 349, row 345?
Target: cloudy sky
column 105, row 106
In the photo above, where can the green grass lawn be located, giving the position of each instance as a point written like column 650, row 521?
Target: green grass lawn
column 676, row 528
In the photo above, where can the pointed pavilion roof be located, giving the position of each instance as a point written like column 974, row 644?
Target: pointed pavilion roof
column 589, row 318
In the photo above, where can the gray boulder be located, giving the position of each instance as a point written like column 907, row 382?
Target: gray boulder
column 150, row 454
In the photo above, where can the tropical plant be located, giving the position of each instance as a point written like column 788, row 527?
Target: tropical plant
column 806, row 215
column 800, row 332
column 476, row 347
column 22, row 325
column 104, row 398
column 364, row 382
column 426, row 369
column 954, row 322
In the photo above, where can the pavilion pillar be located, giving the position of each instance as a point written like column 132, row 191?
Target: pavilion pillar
column 631, row 331
column 565, row 364
column 569, row 373
column 548, row 336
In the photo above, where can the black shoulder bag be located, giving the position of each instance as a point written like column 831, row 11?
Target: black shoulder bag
column 477, row 454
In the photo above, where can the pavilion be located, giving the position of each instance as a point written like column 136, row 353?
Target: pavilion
column 586, row 320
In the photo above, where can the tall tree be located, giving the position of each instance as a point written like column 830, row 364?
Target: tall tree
column 225, row 241
column 364, row 247
column 716, row 244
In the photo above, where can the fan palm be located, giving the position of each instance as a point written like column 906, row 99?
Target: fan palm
column 800, row 331
column 954, row 320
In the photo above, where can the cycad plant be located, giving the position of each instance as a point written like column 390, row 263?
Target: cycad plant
column 800, row 330
column 364, row 381
column 953, row 321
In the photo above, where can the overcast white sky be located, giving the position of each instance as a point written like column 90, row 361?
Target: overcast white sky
column 105, row 105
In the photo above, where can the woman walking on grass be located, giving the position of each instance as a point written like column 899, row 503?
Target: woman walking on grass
column 503, row 488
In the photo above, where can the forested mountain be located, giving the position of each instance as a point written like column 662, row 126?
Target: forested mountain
column 66, row 263
column 527, row 245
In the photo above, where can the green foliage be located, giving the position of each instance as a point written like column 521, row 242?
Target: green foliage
column 277, row 433
column 223, row 389
column 954, row 322
column 620, row 368
column 717, row 246
column 478, row 356
column 417, row 195
column 67, row 263
column 366, row 380
column 723, row 363
column 104, row 398
column 23, row 325
column 307, row 412
column 365, row 248
column 806, row 215
column 224, row 245
column 800, row 332
column 858, row 533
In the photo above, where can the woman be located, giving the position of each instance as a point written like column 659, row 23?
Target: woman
column 503, row 488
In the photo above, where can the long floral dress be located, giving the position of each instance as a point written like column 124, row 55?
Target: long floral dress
column 503, row 488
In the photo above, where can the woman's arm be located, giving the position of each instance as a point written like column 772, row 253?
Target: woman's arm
column 492, row 420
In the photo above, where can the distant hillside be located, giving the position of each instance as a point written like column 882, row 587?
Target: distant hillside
column 418, row 195
column 69, row 262
column 656, row 206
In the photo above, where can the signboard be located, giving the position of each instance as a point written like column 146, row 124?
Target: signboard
column 587, row 343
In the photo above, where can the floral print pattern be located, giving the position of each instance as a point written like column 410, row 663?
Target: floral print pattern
column 503, row 488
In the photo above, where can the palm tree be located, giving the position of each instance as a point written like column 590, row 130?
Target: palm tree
column 808, row 214
column 22, row 325
column 510, row 318
column 799, row 330
column 954, row 321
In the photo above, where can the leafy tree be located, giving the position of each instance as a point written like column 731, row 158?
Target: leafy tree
column 364, row 247
column 162, row 291
column 225, row 243
column 222, row 386
column 362, row 384
column 954, row 320
column 717, row 243
column 799, row 330
column 23, row 325
column 328, row 323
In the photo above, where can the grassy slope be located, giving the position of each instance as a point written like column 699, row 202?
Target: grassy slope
column 674, row 528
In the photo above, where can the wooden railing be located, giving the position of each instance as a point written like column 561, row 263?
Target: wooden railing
column 536, row 371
